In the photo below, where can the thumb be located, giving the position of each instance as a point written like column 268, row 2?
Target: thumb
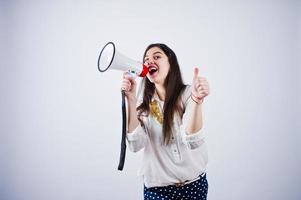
column 196, row 73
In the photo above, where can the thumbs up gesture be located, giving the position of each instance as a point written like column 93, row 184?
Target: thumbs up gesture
column 200, row 87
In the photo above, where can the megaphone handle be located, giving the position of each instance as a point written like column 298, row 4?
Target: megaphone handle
column 123, row 137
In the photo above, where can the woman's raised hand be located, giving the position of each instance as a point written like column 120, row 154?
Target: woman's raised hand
column 200, row 87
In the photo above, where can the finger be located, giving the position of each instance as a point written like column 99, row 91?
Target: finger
column 127, row 76
column 196, row 83
column 199, row 84
column 201, row 89
column 202, row 80
column 198, row 87
column 125, row 88
column 126, row 85
column 205, row 87
column 200, row 96
column 204, row 83
column 204, row 92
column 196, row 73
column 126, row 82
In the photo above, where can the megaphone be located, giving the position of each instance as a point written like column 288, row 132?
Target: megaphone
column 110, row 58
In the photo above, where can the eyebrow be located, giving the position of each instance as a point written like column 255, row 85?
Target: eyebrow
column 154, row 54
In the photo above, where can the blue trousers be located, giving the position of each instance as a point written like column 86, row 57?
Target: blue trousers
column 194, row 190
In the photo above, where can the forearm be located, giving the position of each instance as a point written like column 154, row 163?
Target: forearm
column 195, row 122
column 133, row 121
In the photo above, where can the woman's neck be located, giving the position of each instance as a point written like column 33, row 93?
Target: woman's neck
column 161, row 92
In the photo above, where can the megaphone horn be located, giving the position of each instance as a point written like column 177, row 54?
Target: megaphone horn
column 110, row 58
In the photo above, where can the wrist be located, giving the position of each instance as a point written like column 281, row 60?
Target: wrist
column 132, row 100
column 196, row 100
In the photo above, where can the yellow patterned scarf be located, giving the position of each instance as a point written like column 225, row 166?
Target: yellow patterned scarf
column 155, row 111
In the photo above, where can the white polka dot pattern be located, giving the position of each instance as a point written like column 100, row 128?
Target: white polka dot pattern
column 195, row 190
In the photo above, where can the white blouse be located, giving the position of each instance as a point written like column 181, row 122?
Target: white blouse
column 184, row 158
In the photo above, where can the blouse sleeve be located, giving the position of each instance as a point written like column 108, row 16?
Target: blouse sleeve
column 196, row 139
column 137, row 139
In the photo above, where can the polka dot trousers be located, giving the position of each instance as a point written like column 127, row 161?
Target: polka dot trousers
column 195, row 190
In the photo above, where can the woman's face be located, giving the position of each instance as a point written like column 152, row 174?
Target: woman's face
column 158, row 65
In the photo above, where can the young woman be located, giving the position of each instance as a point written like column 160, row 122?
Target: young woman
column 167, row 124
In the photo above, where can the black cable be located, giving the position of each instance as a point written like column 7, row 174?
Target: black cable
column 123, row 137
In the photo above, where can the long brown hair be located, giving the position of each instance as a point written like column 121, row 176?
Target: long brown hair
column 174, row 87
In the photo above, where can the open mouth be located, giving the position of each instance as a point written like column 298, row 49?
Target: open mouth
column 152, row 70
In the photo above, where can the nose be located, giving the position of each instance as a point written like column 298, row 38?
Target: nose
column 149, row 62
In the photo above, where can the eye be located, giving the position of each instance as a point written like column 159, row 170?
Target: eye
column 156, row 57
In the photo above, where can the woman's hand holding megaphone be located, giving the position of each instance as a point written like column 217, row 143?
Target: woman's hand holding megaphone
column 129, row 86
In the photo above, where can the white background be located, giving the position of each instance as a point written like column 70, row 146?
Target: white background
column 61, row 119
